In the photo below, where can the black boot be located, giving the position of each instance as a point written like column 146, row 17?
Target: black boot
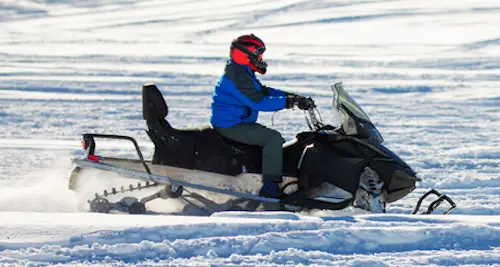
column 270, row 189
column 275, row 187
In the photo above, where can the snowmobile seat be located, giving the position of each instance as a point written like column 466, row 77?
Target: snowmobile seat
column 194, row 148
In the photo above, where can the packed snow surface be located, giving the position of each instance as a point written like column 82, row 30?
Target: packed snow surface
column 426, row 72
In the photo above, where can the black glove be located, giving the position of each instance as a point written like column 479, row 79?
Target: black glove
column 299, row 101
column 291, row 101
column 305, row 103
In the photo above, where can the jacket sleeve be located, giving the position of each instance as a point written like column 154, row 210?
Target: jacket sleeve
column 272, row 91
column 255, row 99
column 245, row 91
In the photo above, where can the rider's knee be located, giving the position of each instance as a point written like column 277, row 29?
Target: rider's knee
column 276, row 137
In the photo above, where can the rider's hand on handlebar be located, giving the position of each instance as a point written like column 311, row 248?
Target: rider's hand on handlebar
column 291, row 100
column 305, row 103
column 299, row 101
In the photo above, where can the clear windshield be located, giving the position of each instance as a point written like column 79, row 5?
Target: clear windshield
column 341, row 97
column 354, row 120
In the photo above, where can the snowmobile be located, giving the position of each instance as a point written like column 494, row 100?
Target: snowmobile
column 332, row 167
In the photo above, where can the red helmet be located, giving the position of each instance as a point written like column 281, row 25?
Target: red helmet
column 248, row 50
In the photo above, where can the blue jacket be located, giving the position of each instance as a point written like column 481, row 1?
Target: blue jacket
column 239, row 96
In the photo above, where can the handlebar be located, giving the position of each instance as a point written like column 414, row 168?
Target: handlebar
column 313, row 117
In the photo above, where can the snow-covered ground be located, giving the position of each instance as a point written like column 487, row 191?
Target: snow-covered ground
column 427, row 73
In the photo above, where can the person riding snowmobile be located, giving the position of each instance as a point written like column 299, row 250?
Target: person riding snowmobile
column 237, row 100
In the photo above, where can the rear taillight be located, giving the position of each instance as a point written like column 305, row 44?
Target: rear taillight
column 84, row 144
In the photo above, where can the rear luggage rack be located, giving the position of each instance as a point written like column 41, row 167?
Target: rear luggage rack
column 89, row 144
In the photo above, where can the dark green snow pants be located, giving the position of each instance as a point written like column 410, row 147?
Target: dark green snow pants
column 270, row 140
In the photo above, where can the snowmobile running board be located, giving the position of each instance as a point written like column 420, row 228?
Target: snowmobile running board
column 84, row 163
column 160, row 179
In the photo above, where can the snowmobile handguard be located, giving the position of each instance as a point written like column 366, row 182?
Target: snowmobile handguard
column 436, row 203
column 88, row 143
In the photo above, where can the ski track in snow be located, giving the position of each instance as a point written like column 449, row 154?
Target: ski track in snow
column 282, row 238
column 426, row 72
